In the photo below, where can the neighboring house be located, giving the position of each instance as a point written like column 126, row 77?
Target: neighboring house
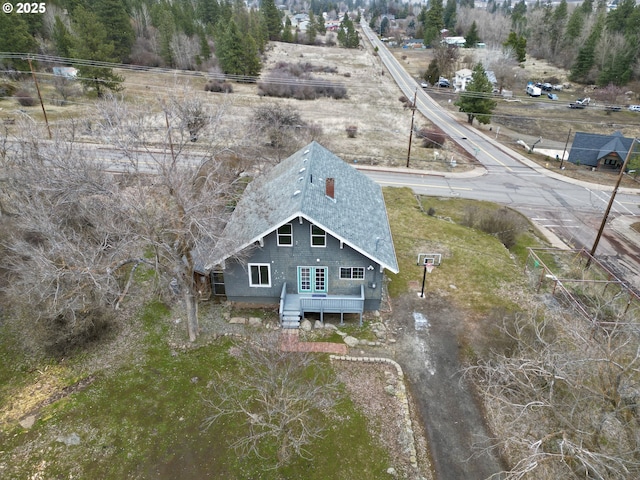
column 464, row 76
column 455, row 41
column 595, row 150
column 312, row 235
column 66, row 72
column 461, row 79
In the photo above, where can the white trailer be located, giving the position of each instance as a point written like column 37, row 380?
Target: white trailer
column 533, row 91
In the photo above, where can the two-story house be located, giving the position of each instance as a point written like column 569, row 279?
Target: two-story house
column 311, row 235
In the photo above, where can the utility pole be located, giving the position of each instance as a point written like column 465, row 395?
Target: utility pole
column 613, row 196
column 413, row 114
column 35, row 80
column 565, row 150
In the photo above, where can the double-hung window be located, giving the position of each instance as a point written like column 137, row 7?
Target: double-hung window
column 318, row 237
column 351, row 273
column 285, row 235
column 259, row 275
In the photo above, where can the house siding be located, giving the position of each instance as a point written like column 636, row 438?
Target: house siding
column 285, row 260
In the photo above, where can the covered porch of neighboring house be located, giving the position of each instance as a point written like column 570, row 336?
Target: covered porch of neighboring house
column 293, row 306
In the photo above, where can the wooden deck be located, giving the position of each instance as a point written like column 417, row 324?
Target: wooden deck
column 294, row 305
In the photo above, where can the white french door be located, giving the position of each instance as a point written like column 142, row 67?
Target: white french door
column 312, row 279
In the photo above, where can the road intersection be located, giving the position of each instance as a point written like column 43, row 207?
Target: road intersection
column 572, row 210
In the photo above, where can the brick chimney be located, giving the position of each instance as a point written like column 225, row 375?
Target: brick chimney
column 330, row 188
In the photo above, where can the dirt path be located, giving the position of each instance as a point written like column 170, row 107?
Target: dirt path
column 429, row 353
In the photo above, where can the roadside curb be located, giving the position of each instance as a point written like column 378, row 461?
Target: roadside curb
column 401, row 393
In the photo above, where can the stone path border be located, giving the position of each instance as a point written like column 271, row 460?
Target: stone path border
column 401, row 393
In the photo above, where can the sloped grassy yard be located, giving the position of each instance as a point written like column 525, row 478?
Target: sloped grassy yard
column 145, row 421
column 143, row 417
column 476, row 270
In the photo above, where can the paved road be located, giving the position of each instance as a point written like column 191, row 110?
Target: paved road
column 573, row 211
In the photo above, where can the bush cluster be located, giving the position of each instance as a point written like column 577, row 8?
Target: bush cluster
column 218, row 86
column 25, row 98
column 431, row 138
column 295, row 81
column 352, row 131
column 505, row 224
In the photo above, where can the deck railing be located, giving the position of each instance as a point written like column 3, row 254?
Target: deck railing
column 333, row 304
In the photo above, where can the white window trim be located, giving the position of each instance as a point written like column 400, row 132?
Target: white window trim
column 285, row 235
column 259, row 285
column 351, row 269
column 312, row 235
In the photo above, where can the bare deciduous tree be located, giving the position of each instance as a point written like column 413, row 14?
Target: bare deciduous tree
column 69, row 234
column 281, row 397
column 564, row 399
column 79, row 224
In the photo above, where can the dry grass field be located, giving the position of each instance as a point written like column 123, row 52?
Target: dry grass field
column 372, row 105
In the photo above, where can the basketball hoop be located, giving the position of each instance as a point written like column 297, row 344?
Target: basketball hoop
column 429, row 267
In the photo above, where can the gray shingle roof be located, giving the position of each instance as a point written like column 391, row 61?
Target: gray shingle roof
column 589, row 148
column 296, row 188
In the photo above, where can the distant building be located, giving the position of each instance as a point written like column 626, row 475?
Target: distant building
column 66, row 72
column 600, row 151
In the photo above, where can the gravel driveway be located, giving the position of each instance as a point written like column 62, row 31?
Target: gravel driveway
column 428, row 349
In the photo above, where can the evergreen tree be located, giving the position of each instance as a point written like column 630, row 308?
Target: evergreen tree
column 518, row 17
column 205, row 49
column 311, row 29
column 347, row 34
column 472, row 38
column 519, row 45
column 432, row 75
column 574, row 25
column 208, row 11
column 62, row 38
column 320, row 26
column 556, row 28
column 476, row 101
column 91, row 44
column 587, row 7
column 468, row 4
column 15, row 38
column 238, row 54
column 273, row 20
column 450, row 14
column 384, row 26
column 287, row 34
column 586, row 55
column 433, row 23
column 117, row 26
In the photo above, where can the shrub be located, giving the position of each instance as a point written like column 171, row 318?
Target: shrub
column 352, row 131
column 25, row 98
column 218, row 86
column 6, row 90
column 504, row 224
column 295, row 81
column 432, row 138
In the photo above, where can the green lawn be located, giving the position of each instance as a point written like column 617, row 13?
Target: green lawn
column 146, row 421
column 479, row 267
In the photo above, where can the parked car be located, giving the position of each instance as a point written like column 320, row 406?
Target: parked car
column 424, row 84
column 552, row 96
column 634, row 108
column 443, row 82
